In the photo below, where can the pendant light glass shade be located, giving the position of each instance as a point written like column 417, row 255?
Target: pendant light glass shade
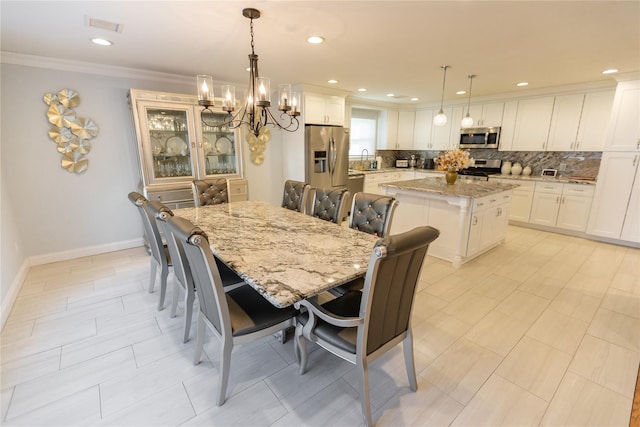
column 440, row 119
column 468, row 120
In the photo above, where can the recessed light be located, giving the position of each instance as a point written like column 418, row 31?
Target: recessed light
column 315, row 39
column 415, row 99
column 391, row 94
column 523, row 84
column 362, row 89
column 101, row 42
column 610, row 71
column 461, row 92
column 332, row 81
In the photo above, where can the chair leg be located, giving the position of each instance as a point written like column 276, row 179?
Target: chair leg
column 364, row 392
column 189, row 297
column 300, row 346
column 153, row 267
column 164, row 273
column 407, row 346
column 200, row 330
column 225, row 364
column 174, row 297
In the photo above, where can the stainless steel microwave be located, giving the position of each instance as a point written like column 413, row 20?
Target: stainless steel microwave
column 485, row 137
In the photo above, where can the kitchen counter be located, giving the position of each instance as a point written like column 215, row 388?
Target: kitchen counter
column 537, row 178
column 384, row 170
column 472, row 216
column 462, row 188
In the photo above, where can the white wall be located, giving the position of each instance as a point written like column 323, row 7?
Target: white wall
column 50, row 214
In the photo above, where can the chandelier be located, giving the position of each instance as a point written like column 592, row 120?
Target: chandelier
column 254, row 111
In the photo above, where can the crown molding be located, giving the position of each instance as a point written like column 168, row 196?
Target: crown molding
column 90, row 68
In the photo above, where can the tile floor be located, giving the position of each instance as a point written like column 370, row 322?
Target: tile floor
column 544, row 330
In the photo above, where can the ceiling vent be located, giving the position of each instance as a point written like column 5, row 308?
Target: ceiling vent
column 102, row 24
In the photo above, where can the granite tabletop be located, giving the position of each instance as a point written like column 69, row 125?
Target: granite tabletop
column 462, row 188
column 285, row 255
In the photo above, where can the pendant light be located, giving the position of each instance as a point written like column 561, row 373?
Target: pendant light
column 440, row 119
column 467, row 122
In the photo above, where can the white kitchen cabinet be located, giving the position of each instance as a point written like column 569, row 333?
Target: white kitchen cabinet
column 507, row 128
column 624, row 127
column 388, row 130
column 486, row 115
column 406, row 124
column 521, row 198
column 441, row 135
column 565, row 206
column 456, row 119
column 324, row 109
column 631, row 226
column 489, row 219
column 594, row 120
column 532, row 124
column 423, row 124
column 565, row 120
column 372, row 180
column 615, row 204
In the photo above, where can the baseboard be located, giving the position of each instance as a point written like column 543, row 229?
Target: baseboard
column 14, row 290
column 86, row 251
column 16, row 285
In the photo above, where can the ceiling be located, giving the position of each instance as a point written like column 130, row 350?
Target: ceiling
column 385, row 46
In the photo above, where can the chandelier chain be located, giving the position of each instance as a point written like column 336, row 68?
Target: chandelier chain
column 251, row 26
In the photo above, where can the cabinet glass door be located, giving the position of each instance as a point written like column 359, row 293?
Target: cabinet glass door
column 219, row 147
column 168, row 151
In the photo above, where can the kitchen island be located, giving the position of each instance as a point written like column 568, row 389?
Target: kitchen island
column 472, row 216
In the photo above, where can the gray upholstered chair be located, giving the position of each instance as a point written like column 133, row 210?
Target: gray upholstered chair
column 160, row 258
column 361, row 326
column 183, row 279
column 237, row 316
column 372, row 213
column 328, row 203
column 295, row 195
column 210, row 192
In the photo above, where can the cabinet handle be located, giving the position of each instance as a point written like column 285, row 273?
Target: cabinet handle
column 492, row 200
column 543, row 143
column 558, row 199
column 578, row 144
column 475, row 220
column 480, row 204
column 635, row 160
column 563, row 200
column 638, row 144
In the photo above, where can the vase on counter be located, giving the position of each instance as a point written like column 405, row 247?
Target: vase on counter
column 526, row 171
column 506, row 168
column 516, row 169
column 451, row 177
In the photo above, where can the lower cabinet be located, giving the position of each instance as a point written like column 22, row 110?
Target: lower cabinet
column 372, row 180
column 565, row 206
column 489, row 220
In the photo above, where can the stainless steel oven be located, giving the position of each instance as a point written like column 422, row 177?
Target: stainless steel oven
column 485, row 137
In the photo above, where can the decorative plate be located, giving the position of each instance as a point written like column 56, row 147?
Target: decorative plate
column 224, row 145
column 156, row 146
column 175, row 146
column 206, row 146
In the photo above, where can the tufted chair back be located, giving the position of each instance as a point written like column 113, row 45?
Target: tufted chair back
column 328, row 203
column 372, row 213
column 295, row 195
column 210, row 192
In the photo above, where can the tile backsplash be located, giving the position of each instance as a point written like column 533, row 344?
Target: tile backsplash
column 568, row 163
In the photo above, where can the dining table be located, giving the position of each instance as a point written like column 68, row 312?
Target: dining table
column 287, row 256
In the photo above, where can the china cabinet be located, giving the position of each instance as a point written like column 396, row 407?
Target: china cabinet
column 175, row 147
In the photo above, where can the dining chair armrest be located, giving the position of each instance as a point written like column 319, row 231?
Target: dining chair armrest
column 316, row 309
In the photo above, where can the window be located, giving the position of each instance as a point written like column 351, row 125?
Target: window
column 364, row 127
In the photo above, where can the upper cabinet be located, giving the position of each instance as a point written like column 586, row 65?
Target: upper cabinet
column 532, row 124
column 423, row 124
column 594, row 121
column 564, row 122
column 624, row 127
column 406, row 123
column 486, row 115
column 324, row 109
column 175, row 147
column 388, row 130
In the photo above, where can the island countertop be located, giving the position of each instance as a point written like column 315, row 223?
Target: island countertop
column 462, row 187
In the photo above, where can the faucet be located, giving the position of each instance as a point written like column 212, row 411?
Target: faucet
column 361, row 158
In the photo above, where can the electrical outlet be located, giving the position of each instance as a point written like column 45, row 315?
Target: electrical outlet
column 563, row 166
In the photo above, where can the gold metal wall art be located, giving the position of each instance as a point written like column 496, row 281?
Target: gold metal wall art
column 70, row 132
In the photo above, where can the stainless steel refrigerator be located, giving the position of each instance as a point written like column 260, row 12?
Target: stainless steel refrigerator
column 327, row 156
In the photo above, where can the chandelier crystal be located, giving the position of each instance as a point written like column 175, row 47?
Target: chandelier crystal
column 440, row 119
column 254, row 111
